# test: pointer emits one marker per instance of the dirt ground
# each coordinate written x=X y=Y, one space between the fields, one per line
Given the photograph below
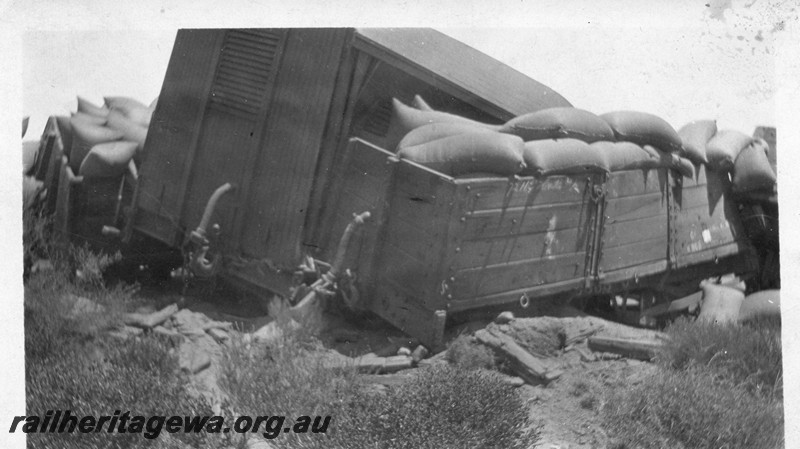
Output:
x=567 y=409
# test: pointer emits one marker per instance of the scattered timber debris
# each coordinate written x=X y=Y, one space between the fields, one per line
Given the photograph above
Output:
x=643 y=349
x=149 y=321
x=532 y=369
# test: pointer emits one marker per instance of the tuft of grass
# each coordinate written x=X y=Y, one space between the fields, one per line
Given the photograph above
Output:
x=70 y=369
x=717 y=386
x=464 y=352
x=579 y=388
x=749 y=355
x=692 y=409
x=70 y=364
x=442 y=407
x=588 y=402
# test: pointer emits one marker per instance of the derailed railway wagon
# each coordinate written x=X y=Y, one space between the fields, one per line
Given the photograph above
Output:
x=267 y=142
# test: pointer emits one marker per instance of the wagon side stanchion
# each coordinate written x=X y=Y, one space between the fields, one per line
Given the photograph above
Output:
x=337 y=274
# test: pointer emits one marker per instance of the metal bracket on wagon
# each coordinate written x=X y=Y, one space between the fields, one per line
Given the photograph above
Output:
x=198 y=243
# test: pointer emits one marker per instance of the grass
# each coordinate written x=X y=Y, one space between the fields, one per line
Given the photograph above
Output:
x=718 y=386
x=692 y=409
x=442 y=407
x=71 y=364
x=747 y=355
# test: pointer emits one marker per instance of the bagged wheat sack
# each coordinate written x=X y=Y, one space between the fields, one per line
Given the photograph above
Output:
x=434 y=131
x=673 y=161
x=627 y=156
x=695 y=137
x=720 y=304
x=130 y=130
x=405 y=118
x=420 y=104
x=723 y=148
x=643 y=129
x=87 y=107
x=559 y=123
x=562 y=157
x=133 y=109
x=766 y=303
x=86 y=136
x=683 y=166
x=752 y=170
x=108 y=160
x=88 y=118
x=487 y=152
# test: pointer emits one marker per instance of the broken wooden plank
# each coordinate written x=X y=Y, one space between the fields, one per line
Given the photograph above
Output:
x=150 y=320
x=439 y=358
x=376 y=365
x=637 y=349
x=528 y=367
x=419 y=354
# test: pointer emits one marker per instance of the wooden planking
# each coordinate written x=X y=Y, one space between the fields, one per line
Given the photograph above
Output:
x=333 y=153
x=628 y=274
x=415 y=277
x=221 y=156
x=711 y=196
x=283 y=174
x=632 y=254
x=173 y=131
x=422 y=197
x=636 y=182
x=491 y=193
x=618 y=233
x=415 y=233
x=507 y=249
x=362 y=191
x=525 y=220
x=636 y=207
x=513 y=296
x=421 y=182
x=362 y=184
x=416 y=241
x=529 y=273
x=694 y=236
x=400 y=309
x=742 y=259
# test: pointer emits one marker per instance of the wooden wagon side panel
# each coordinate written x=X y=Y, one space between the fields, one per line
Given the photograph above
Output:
x=365 y=184
x=283 y=173
x=521 y=237
x=705 y=224
x=173 y=134
x=634 y=232
x=410 y=269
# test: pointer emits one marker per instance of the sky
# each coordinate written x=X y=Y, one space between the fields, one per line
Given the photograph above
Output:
x=703 y=64
x=736 y=61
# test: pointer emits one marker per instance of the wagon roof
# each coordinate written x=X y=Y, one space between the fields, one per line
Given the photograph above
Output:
x=459 y=70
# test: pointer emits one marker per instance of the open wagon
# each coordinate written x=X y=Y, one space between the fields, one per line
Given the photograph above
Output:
x=266 y=142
